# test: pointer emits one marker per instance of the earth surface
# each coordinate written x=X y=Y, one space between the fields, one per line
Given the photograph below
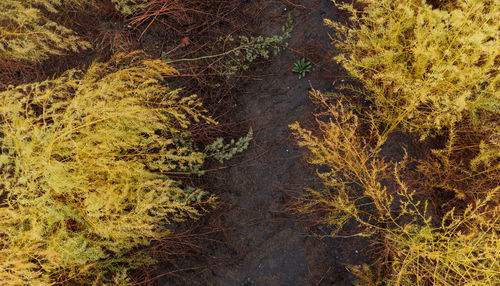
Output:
x=264 y=242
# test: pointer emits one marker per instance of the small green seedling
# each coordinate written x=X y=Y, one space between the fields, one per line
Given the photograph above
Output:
x=302 y=67
x=163 y=57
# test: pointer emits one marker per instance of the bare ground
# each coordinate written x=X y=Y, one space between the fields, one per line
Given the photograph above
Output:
x=266 y=243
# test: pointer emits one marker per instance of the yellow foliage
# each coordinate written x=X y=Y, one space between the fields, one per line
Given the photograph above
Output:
x=425 y=68
x=349 y=158
x=83 y=160
x=464 y=249
x=468 y=166
x=127 y=7
x=28 y=34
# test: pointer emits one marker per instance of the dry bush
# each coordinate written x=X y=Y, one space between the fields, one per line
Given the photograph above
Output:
x=425 y=68
x=459 y=248
x=28 y=30
x=461 y=172
x=26 y=33
x=433 y=68
x=349 y=158
x=84 y=158
x=128 y=7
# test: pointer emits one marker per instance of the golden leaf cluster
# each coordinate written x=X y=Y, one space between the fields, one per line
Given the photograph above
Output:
x=425 y=70
x=26 y=33
x=460 y=248
x=83 y=159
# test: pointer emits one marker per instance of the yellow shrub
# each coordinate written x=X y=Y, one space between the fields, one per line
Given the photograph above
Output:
x=467 y=167
x=127 y=7
x=27 y=34
x=425 y=68
x=82 y=159
x=459 y=252
x=349 y=158
x=460 y=248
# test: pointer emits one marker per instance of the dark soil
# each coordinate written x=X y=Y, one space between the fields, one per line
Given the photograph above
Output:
x=267 y=244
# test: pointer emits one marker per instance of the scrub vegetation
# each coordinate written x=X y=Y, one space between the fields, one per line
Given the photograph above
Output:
x=87 y=156
x=430 y=71
x=83 y=163
x=27 y=33
x=103 y=153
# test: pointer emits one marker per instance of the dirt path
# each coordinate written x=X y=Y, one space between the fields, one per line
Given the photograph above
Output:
x=272 y=247
x=268 y=245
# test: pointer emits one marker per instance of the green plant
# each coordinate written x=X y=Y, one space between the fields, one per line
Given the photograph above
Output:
x=239 y=53
x=302 y=67
x=221 y=152
x=84 y=160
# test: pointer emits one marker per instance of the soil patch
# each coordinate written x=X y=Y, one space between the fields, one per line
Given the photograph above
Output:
x=265 y=244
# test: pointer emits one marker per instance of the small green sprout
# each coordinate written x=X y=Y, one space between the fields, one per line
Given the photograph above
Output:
x=302 y=67
x=163 y=57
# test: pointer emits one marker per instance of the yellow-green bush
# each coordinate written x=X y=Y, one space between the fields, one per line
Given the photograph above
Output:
x=83 y=181
x=460 y=248
x=466 y=168
x=26 y=33
x=127 y=7
x=426 y=68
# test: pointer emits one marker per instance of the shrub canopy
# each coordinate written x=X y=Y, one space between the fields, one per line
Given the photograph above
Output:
x=83 y=160
x=425 y=67
x=26 y=33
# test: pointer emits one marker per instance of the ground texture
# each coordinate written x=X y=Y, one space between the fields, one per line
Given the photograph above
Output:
x=265 y=244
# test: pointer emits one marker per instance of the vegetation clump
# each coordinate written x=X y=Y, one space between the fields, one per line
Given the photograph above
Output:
x=422 y=248
x=84 y=158
x=221 y=152
x=302 y=67
x=26 y=33
x=128 y=7
x=250 y=48
x=240 y=52
x=425 y=70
